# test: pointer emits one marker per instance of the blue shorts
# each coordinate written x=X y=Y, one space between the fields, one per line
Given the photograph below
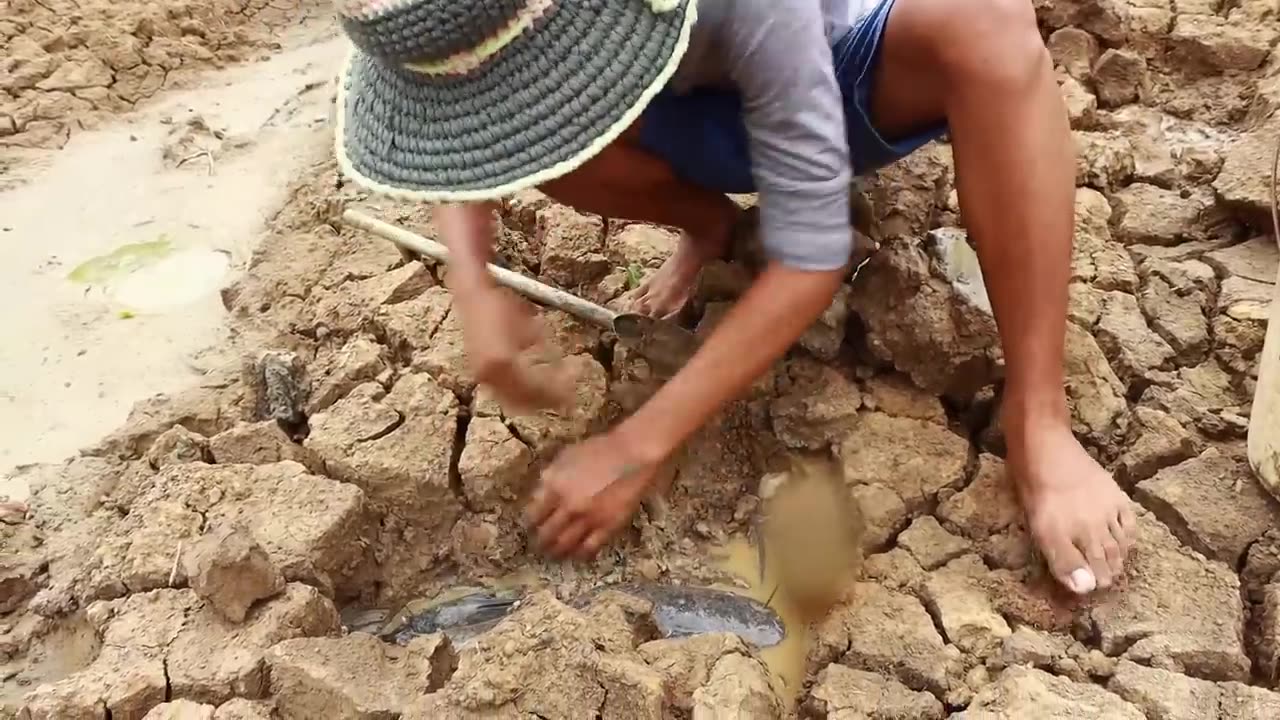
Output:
x=702 y=135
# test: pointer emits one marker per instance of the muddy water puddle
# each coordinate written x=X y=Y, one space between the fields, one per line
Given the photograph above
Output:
x=754 y=610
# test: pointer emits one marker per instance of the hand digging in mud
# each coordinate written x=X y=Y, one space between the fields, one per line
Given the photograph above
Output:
x=499 y=329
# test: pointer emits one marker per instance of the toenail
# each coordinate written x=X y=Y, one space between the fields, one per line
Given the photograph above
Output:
x=1082 y=581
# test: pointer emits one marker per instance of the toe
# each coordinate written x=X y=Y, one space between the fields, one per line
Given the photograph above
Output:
x=1066 y=562
x=1097 y=554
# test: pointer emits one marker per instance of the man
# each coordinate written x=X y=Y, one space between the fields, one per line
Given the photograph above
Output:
x=653 y=110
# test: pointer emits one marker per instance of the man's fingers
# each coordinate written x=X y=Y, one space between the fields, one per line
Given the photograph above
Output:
x=570 y=538
x=589 y=547
x=540 y=507
x=549 y=530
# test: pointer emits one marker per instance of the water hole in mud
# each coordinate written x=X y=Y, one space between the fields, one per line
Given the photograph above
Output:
x=755 y=609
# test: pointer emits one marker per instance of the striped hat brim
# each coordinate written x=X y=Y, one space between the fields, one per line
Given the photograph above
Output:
x=547 y=102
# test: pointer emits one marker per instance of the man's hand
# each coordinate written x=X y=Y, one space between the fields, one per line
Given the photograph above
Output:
x=587 y=494
x=593 y=488
x=499 y=331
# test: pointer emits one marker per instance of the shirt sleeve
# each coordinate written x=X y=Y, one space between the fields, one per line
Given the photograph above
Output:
x=778 y=56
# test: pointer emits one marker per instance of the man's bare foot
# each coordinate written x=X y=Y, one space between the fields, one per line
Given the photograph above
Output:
x=667 y=291
x=1081 y=521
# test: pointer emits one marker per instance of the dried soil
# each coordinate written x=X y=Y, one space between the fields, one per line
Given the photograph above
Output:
x=349 y=456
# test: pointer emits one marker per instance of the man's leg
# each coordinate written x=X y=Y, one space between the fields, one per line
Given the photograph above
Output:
x=626 y=182
x=984 y=68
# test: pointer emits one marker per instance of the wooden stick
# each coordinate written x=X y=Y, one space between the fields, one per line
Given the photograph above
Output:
x=530 y=288
x=1264 y=417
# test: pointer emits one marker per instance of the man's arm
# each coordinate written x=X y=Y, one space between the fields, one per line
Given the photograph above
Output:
x=467 y=230
x=497 y=327
x=779 y=57
x=778 y=308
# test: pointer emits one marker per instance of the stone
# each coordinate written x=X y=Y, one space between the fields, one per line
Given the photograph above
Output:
x=884 y=632
x=1095 y=258
x=260 y=443
x=231 y=571
x=551 y=661
x=685 y=663
x=1155 y=441
x=1245 y=300
x=1082 y=105
x=351 y=308
x=1094 y=392
x=826 y=336
x=913 y=458
x=1244 y=181
x=1144 y=214
x=1026 y=692
x=1191 y=497
x=1126 y=339
x=960 y=604
x=356 y=677
x=409 y=327
x=1178 y=611
x=1120 y=77
x=359 y=361
x=644 y=245
x=896 y=569
x=1104 y=159
x=841 y=693
x=1166 y=695
x=930 y=544
x=241 y=709
x=181 y=710
x=1268 y=642
x=816 y=405
x=895 y=394
x=1075 y=51
x=929 y=324
x=883 y=512
x=494 y=464
x=169 y=645
x=445 y=358
x=176 y=446
x=1262 y=564
x=738 y=688
x=1215 y=43
x=399 y=450
x=1255 y=260
x=1178 y=319
x=988 y=505
x=546 y=432
x=1034 y=648
x=632 y=690
x=572 y=247
x=77 y=75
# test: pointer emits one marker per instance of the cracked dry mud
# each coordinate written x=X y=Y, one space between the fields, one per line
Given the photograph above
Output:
x=194 y=563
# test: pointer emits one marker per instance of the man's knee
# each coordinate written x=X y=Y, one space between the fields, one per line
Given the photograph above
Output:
x=990 y=41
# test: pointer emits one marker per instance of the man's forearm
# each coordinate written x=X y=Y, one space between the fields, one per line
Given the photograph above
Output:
x=467 y=230
x=756 y=332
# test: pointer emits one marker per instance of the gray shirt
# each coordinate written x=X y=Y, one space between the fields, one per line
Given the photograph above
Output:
x=777 y=53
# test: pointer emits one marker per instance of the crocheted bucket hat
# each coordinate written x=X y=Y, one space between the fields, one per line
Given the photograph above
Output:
x=475 y=99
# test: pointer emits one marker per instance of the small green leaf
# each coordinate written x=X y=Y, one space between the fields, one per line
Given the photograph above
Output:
x=127 y=314
x=635 y=275
x=120 y=261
